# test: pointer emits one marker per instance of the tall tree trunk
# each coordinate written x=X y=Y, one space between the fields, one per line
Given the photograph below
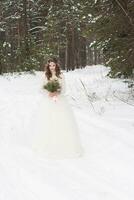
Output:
x=25 y=19
x=70 y=53
x=62 y=55
x=95 y=55
x=82 y=54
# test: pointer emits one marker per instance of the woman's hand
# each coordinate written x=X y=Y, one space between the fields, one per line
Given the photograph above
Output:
x=51 y=94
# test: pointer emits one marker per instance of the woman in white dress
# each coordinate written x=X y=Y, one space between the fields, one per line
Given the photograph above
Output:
x=55 y=130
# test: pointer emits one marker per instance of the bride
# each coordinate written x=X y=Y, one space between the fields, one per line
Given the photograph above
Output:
x=55 y=131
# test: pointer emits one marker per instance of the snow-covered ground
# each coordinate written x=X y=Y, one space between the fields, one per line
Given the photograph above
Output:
x=106 y=125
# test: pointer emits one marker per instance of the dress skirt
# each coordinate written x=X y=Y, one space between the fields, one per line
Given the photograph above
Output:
x=55 y=133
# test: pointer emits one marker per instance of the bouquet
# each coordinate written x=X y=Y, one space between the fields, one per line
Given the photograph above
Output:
x=53 y=86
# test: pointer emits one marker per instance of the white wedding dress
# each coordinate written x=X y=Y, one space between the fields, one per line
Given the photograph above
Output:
x=55 y=133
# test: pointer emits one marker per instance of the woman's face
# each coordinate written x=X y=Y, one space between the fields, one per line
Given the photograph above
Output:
x=52 y=66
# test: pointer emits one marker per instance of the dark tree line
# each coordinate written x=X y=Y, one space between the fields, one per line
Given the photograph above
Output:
x=79 y=33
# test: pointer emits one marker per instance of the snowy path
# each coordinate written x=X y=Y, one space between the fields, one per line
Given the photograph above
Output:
x=105 y=171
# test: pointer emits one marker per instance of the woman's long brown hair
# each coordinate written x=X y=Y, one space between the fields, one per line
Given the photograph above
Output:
x=47 y=70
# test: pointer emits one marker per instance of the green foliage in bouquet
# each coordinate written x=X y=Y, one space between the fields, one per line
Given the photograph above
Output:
x=53 y=86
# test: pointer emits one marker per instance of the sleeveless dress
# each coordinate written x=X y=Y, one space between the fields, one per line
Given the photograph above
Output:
x=55 y=133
